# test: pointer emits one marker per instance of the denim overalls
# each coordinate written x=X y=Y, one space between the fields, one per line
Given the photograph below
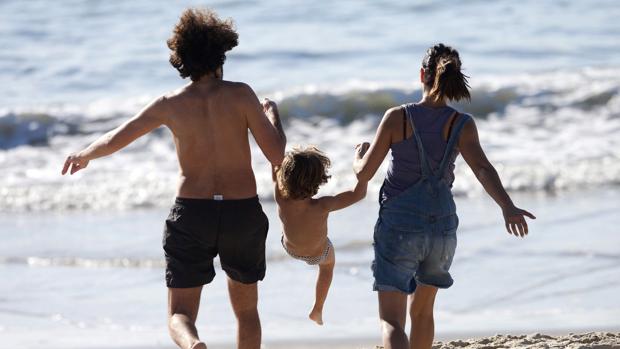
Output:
x=415 y=235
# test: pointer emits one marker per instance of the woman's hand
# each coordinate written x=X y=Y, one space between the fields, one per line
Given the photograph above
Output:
x=514 y=219
x=75 y=162
x=358 y=158
x=361 y=149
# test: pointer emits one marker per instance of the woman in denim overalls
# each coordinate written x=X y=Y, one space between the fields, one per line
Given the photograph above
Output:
x=415 y=235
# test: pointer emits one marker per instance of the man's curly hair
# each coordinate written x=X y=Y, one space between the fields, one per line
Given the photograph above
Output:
x=199 y=42
x=302 y=172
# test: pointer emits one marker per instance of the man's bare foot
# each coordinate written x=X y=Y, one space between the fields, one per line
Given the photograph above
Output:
x=199 y=345
x=316 y=316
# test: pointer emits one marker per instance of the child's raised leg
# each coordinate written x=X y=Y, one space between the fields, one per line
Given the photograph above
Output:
x=324 y=280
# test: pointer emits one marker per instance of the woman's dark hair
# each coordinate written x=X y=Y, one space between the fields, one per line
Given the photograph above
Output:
x=442 y=74
x=302 y=172
x=199 y=42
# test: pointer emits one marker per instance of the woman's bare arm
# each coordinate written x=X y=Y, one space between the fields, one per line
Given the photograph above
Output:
x=469 y=146
x=366 y=167
x=148 y=119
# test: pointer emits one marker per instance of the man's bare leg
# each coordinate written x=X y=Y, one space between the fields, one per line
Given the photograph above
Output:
x=323 y=281
x=422 y=321
x=393 y=313
x=244 y=301
x=183 y=306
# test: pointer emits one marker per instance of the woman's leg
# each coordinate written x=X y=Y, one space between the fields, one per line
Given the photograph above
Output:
x=422 y=321
x=393 y=312
x=324 y=280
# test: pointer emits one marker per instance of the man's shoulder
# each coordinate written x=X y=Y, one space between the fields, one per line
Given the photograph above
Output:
x=224 y=85
x=237 y=87
x=172 y=96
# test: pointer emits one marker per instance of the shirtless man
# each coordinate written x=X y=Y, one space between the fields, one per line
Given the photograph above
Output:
x=216 y=210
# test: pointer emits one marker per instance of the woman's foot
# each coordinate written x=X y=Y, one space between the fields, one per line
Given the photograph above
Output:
x=316 y=316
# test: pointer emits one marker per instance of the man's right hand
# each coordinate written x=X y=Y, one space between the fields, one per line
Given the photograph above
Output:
x=75 y=162
x=270 y=108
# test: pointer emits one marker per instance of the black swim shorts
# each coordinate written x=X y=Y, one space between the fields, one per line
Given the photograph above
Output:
x=197 y=230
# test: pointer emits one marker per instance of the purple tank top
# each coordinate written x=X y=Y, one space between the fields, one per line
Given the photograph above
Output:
x=404 y=169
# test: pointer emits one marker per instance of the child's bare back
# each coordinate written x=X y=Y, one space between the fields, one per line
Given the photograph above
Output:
x=304 y=225
x=304 y=218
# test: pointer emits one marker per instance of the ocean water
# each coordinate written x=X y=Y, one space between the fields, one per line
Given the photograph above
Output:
x=96 y=280
x=81 y=258
x=545 y=78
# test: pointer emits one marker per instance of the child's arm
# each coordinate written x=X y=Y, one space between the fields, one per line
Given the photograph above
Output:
x=276 y=189
x=344 y=199
x=349 y=197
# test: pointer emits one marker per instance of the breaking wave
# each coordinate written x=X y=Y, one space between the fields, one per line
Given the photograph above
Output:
x=544 y=132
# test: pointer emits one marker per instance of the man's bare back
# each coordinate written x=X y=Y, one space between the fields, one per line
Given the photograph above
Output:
x=210 y=123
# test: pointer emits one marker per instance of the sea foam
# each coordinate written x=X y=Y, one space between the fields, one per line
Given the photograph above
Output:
x=544 y=132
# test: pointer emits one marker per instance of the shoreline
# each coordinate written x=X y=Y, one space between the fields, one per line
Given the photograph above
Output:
x=543 y=293
x=599 y=339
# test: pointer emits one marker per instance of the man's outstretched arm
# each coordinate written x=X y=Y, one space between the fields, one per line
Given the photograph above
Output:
x=149 y=118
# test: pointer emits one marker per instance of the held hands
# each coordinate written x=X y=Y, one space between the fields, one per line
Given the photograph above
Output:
x=361 y=149
x=270 y=108
x=514 y=219
x=75 y=162
x=358 y=160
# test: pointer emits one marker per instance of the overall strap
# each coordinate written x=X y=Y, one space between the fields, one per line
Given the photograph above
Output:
x=424 y=165
x=454 y=137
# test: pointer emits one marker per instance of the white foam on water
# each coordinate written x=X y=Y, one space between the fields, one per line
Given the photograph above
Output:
x=543 y=132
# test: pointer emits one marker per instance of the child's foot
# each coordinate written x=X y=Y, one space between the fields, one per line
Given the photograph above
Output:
x=316 y=316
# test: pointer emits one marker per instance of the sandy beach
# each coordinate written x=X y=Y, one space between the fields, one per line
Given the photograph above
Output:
x=546 y=340
x=594 y=340
x=599 y=340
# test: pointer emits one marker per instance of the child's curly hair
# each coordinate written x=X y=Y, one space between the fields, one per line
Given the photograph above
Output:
x=200 y=41
x=302 y=172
